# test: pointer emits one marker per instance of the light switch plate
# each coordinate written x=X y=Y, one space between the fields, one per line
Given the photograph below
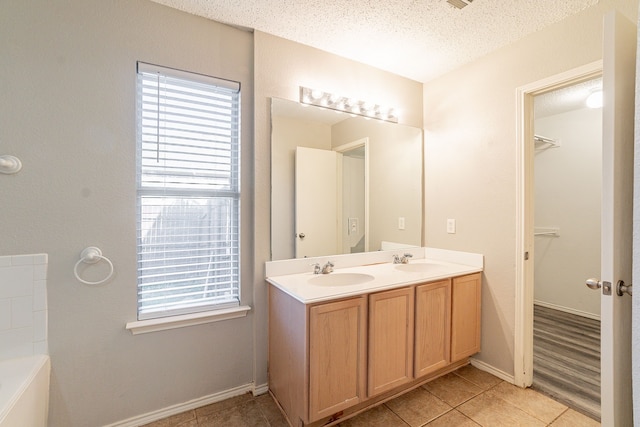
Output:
x=401 y=223
x=451 y=226
x=353 y=225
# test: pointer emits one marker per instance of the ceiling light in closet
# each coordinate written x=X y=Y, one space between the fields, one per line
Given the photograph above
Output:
x=595 y=99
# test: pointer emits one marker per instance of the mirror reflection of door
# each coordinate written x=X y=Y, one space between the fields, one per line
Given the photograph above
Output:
x=316 y=202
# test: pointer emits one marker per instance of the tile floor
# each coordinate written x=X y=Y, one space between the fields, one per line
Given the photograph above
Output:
x=467 y=397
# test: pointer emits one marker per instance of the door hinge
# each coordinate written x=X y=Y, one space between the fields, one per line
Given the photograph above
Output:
x=526 y=256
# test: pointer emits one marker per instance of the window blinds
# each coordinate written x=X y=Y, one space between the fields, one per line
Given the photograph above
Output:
x=188 y=158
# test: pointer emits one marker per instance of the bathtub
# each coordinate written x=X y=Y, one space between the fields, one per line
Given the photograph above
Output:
x=24 y=391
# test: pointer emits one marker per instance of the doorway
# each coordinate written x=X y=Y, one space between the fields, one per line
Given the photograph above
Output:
x=567 y=162
x=355 y=196
x=525 y=221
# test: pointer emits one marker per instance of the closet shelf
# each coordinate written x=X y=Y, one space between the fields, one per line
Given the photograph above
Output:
x=546 y=231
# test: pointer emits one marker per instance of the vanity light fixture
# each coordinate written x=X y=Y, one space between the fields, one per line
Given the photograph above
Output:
x=346 y=105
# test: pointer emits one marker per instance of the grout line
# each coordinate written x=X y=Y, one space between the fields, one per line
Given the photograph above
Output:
x=561 y=414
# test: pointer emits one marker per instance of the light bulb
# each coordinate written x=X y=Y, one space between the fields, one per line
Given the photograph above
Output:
x=316 y=94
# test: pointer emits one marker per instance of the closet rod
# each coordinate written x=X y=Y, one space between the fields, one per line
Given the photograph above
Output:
x=546 y=231
x=545 y=140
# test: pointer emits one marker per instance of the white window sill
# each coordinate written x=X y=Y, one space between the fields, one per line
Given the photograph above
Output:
x=183 y=320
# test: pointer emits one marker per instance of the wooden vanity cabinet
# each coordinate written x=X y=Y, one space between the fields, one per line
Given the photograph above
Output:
x=331 y=359
x=337 y=359
x=465 y=316
x=317 y=355
x=390 y=339
x=432 y=327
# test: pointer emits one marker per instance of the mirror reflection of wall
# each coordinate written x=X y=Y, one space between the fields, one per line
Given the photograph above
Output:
x=386 y=207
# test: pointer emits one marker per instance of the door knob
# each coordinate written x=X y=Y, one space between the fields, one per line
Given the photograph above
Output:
x=301 y=235
x=621 y=288
x=597 y=284
x=593 y=284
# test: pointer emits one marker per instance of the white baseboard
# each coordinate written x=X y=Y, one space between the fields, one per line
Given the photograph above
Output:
x=191 y=404
x=260 y=389
x=567 y=310
x=493 y=371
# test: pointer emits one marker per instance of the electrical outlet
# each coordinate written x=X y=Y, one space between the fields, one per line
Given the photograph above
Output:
x=451 y=226
x=401 y=223
x=353 y=225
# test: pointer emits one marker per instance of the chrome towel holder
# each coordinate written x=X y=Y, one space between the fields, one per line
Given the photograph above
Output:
x=10 y=164
x=92 y=255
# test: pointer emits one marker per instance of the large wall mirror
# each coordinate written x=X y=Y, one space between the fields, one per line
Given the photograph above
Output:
x=342 y=184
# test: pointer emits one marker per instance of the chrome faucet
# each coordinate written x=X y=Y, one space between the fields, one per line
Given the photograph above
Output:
x=316 y=268
x=325 y=269
x=402 y=260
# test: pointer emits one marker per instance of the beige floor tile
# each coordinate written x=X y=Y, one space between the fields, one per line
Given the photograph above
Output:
x=482 y=379
x=225 y=404
x=453 y=389
x=531 y=402
x=489 y=411
x=572 y=418
x=452 y=418
x=418 y=407
x=247 y=414
x=271 y=411
x=184 y=419
x=380 y=416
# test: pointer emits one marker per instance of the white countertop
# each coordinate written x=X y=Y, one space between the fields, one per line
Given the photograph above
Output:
x=381 y=276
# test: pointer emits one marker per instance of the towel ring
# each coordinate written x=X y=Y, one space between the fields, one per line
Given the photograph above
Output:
x=91 y=255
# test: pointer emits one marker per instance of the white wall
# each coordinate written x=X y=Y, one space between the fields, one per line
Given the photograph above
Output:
x=68 y=73
x=470 y=171
x=568 y=196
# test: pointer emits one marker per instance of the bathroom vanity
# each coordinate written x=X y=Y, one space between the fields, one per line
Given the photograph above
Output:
x=342 y=342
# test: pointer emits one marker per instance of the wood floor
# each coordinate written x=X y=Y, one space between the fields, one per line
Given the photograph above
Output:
x=566 y=359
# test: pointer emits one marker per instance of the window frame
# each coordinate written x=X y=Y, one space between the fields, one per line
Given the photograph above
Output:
x=193 y=313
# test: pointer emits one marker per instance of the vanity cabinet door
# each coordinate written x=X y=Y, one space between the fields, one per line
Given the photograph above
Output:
x=432 y=327
x=390 y=339
x=337 y=360
x=465 y=312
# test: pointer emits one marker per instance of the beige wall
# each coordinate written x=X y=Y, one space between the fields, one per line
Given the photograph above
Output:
x=68 y=73
x=470 y=170
x=395 y=178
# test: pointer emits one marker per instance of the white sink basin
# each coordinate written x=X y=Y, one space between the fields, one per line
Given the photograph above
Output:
x=423 y=267
x=340 y=279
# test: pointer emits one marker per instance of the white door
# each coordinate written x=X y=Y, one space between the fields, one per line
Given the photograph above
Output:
x=316 y=203
x=617 y=210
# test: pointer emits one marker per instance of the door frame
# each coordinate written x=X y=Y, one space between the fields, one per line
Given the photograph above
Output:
x=523 y=330
x=362 y=142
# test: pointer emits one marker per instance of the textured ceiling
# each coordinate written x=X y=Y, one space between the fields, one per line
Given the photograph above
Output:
x=416 y=39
